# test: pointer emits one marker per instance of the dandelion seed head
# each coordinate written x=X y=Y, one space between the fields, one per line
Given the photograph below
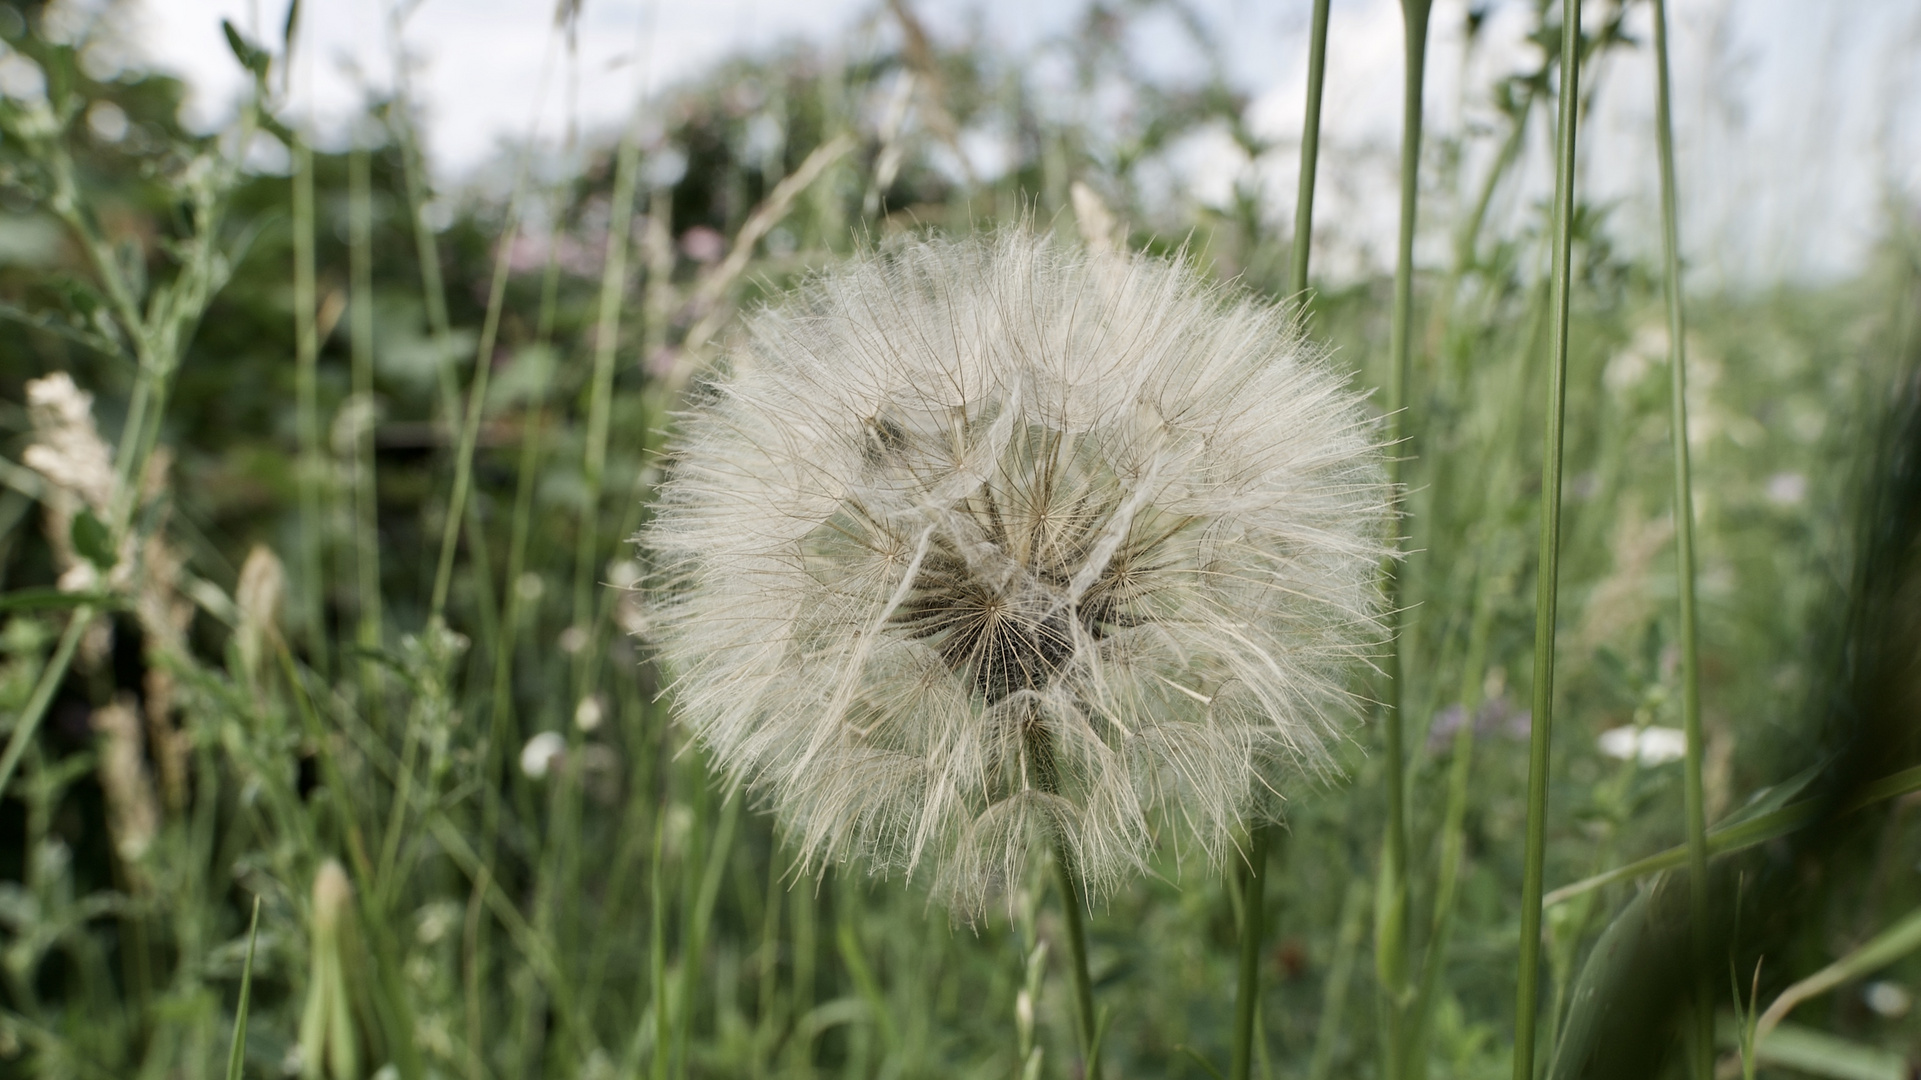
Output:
x=981 y=544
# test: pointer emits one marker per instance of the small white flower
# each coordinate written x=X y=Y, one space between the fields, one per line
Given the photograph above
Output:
x=981 y=543
x=540 y=753
x=1787 y=489
x=588 y=714
x=1653 y=745
x=1890 y=1000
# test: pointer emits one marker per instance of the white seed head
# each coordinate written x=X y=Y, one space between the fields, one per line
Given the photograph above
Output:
x=982 y=544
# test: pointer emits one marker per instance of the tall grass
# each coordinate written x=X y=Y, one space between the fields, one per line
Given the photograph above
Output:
x=436 y=758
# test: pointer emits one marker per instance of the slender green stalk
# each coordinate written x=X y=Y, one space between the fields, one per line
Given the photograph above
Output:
x=237 y=1051
x=1070 y=889
x=1310 y=149
x=360 y=304
x=1339 y=974
x=307 y=409
x=613 y=287
x=43 y=691
x=1247 y=998
x=1696 y=804
x=1390 y=912
x=1527 y=992
x=483 y=353
x=657 y=946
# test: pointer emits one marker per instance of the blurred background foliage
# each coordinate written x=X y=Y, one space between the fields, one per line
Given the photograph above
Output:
x=479 y=845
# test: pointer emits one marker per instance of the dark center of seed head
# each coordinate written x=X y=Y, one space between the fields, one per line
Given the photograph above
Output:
x=1003 y=637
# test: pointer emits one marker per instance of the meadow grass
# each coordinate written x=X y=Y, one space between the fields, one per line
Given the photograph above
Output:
x=414 y=803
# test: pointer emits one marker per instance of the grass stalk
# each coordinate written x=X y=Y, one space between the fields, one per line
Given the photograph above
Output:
x=1340 y=974
x=1390 y=913
x=657 y=947
x=360 y=307
x=237 y=1051
x=307 y=410
x=1310 y=151
x=1254 y=885
x=613 y=287
x=1527 y=991
x=470 y=416
x=1695 y=799
x=36 y=708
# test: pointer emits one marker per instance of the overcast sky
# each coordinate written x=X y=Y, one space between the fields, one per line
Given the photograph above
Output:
x=1792 y=138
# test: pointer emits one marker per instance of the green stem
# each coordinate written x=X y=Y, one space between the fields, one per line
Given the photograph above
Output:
x=1310 y=148
x=483 y=354
x=613 y=287
x=1390 y=914
x=1070 y=889
x=1254 y=886
x=307 y=407
x=1340 y=973
x=366 y=507
x=1696 y=804
x=36 y=708
x=1527 y=991
x=1253 y=928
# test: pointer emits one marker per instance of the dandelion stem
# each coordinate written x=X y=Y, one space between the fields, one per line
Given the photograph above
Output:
x=1528 y=984
x=1254 y=886
x=1070 y=888
x=1390 y=913
x=1696 y=807
x=1253 y=929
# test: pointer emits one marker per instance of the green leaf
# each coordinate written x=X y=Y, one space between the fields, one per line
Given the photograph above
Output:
x=1817 y=1053
x=92 y=540
x=50 y=599
x=237 y=1055
x=251 y=56
x=1201 y=1060
x=291 y=29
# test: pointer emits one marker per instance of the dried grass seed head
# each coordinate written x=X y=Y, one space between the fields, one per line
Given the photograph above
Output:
x=981 y=543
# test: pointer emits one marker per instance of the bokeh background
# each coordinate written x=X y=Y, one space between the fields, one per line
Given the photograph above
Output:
x=456 y=260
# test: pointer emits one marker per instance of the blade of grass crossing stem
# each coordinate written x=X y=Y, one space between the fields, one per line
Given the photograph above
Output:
x=237 y=1053
x=1697 y=827
x=1390 y=901
x=1883 y=949
x=483 y=353
x=1527 y=991
x=1742 y=834
x=1254 y=884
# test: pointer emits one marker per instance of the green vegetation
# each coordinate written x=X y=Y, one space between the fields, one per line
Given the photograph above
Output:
x=319 y=607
